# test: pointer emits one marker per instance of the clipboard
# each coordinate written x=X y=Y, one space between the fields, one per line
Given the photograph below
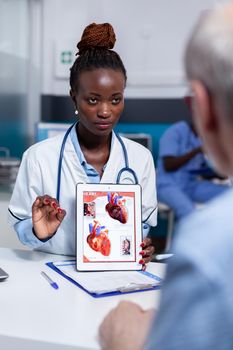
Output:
x=128 y=289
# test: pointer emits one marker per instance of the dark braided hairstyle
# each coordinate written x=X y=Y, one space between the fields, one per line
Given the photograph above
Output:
x=95 y=52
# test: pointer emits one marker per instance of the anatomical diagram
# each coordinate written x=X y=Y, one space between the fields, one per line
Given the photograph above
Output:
x=116 y=207
x=98 y=238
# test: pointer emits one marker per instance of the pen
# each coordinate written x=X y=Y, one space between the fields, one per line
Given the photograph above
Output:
x=163 y=256
x=51 y=282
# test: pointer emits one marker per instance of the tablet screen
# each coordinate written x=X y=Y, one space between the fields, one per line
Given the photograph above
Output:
x=108 y=226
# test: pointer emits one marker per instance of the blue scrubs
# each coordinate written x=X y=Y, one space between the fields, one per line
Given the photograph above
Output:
x=181 y=189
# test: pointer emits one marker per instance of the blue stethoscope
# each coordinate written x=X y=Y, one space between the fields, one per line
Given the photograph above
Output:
x=126 y=167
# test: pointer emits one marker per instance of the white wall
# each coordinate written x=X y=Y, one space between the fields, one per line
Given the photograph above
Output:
x=19 y=60
x=150 y=39
x=13 y=46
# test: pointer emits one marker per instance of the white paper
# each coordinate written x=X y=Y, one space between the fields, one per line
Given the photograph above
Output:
x=108 y=281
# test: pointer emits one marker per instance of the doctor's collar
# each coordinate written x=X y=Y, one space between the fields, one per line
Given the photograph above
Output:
x=78 y=150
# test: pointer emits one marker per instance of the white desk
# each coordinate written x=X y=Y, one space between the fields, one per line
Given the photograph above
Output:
x=35 y=316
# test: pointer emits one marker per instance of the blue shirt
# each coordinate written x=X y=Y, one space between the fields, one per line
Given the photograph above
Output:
x=196 y=310
x=91 y=172
x=178 y=140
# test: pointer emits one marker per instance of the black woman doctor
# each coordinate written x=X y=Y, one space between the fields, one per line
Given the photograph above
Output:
x=91 y=152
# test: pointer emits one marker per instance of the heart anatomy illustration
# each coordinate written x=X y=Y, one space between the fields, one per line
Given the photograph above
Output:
x=98 y=238
x=116 y=208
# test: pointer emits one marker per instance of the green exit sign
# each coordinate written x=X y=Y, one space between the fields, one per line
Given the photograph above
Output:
x=66 y=57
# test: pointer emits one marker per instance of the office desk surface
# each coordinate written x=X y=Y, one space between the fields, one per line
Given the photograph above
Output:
x=35 y=316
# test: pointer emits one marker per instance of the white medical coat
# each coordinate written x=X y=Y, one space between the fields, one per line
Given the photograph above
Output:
x=38 y=176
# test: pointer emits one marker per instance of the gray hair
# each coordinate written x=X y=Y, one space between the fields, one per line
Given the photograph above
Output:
x=209 y=55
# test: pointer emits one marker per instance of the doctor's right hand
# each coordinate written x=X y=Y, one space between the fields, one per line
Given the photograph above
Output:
x=46 y=216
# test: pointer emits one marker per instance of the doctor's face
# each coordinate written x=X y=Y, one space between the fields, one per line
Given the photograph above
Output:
x=99 y=100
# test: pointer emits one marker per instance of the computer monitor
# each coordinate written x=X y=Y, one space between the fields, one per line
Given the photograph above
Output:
x=142 y=138
x=46 y=130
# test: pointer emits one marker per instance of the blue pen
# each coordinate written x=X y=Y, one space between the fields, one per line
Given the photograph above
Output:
x=51 y=282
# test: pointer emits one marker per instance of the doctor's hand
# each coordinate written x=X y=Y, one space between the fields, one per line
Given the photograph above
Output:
x=125 y=327
x=46 y=216
x=147 y=252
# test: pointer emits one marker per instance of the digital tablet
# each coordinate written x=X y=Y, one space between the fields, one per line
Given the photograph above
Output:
x=108 y=227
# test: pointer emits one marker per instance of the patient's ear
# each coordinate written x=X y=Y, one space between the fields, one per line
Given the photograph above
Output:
x=203 y=107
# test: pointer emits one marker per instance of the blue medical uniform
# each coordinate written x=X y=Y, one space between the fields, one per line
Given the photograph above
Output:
x=181 y=189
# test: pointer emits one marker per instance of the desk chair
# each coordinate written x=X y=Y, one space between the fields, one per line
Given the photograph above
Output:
x=165 y=210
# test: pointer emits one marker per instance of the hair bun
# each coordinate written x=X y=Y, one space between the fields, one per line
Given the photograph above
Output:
x=97 y=36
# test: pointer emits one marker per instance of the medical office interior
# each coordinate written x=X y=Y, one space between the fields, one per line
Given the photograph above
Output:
x=37 y=47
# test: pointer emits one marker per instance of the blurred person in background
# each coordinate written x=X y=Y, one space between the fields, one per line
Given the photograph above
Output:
x=184 y=177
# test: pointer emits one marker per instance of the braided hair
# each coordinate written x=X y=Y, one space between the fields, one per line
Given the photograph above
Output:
x=95 y=52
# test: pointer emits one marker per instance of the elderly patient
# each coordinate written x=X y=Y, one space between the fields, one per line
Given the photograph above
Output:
x=196 y=310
